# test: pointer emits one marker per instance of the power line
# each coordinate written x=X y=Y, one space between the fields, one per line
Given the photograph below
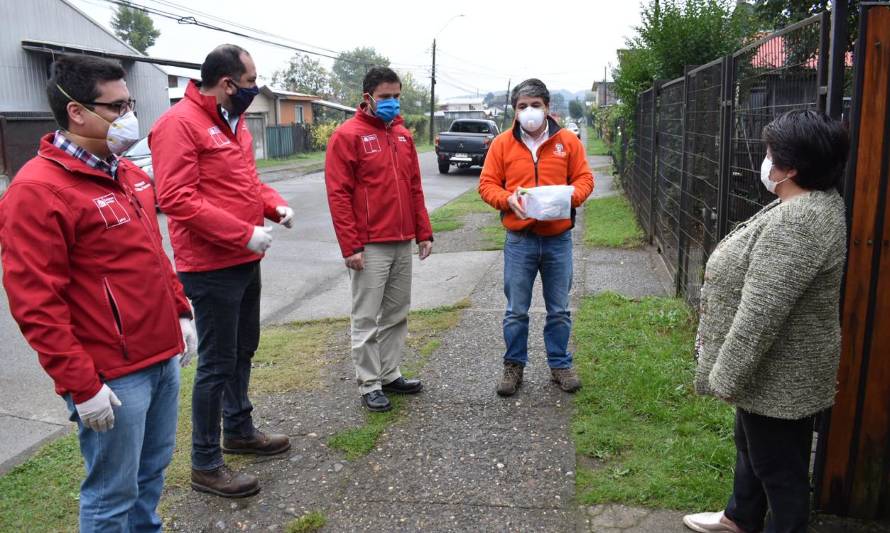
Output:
x=178 y=17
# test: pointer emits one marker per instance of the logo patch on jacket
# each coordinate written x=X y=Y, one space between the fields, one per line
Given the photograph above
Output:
x=141 y=186
x=371 y=144
x=402 y=139
x=111 y=212
x=219 y=138
x=559 y=150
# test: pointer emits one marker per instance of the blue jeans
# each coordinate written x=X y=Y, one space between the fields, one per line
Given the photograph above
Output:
x=125 y=465
x=525 y=254
x=227 y=317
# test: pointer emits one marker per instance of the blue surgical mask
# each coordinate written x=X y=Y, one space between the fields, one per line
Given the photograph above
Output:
x=241 y=100
x=387 y=109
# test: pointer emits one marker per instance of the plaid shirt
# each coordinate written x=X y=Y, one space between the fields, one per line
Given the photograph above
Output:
x=108 y=166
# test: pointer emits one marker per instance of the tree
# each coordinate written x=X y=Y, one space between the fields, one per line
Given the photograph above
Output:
x=780 y=13
x=557 y=102
x=349 y=71
x=136 y=27
x=304 y=75
x=674 y=34
x=576 y=109
x=415 y=98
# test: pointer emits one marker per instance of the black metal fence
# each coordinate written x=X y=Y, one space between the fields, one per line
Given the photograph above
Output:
x=696 y=146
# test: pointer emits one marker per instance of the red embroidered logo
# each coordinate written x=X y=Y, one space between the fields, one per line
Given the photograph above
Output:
x=371 y=144
x=112 y=213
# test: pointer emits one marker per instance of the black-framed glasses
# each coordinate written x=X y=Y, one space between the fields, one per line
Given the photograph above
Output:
x=121 y=108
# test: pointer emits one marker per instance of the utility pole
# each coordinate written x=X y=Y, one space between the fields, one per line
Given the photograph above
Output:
x=506 y=100
x=433 y=94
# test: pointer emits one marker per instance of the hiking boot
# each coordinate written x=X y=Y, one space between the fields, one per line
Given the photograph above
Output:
x=376 y=401
x=225 y=482
x=566 y=378
x=258 y=444
x=511 y=380
x=711 y=523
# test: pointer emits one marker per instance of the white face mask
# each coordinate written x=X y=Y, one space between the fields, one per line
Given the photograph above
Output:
x=531 y=118
x=765 y=168
x=123 y=133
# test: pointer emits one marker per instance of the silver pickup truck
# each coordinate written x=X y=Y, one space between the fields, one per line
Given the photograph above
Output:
x=465 y=144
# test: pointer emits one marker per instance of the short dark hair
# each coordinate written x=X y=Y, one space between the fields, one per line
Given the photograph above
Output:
x=378 y=75
x=531 y=87
x=812 y=143
x=79 y=76
x=224 y=60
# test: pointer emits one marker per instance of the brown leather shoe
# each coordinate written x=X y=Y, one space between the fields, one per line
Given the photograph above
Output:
x=566 y=378
x=259 y=444
x=224 y=482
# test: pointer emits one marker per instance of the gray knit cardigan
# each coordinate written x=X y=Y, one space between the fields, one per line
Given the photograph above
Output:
x=769 y=336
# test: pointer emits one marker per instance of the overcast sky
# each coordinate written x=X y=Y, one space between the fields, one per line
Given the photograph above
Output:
x=566 y=44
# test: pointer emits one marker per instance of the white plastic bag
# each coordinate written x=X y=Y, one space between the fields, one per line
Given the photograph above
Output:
x=550 y=202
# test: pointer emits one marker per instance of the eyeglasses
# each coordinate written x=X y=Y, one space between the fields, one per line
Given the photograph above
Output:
x=121 y=108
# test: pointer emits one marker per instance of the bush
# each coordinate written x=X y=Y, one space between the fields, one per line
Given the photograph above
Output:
x=418 y=124
x=321 y=134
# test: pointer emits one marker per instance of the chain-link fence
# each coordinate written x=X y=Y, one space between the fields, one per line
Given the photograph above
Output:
x=697 y=142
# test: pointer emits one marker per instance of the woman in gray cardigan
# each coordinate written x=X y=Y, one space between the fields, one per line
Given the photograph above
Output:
x=769 y=337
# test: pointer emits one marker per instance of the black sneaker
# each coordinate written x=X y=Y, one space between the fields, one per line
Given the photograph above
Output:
x=403 y=386
x=376 y=401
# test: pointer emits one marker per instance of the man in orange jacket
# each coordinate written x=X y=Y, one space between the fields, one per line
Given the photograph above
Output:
x=535 y=152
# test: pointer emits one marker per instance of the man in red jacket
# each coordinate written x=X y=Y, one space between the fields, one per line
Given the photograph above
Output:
x=376 y=200
x=95 y=295
x=209 y=189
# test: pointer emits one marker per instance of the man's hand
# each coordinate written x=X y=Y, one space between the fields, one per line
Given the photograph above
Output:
x=515 y=202
x=287 y=216
x=356 y=261
x=261 y=240
x=424 y=249
x=190 y=337
x=97 y=413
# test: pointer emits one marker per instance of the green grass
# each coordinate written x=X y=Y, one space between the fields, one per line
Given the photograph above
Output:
x=610 y=222
x=450 y=217
x=43 y=493
x=595 y=145
x=289 y=357
x=424 y=147
x=307 y=523
x=307 y=157
x=424 y=329
x=642 y=435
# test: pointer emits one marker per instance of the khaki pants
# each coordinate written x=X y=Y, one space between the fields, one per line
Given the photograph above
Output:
x=381 y=298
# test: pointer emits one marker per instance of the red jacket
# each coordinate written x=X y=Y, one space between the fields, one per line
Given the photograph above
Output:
x=87 y=277
x=208 y=184
x=373 y=182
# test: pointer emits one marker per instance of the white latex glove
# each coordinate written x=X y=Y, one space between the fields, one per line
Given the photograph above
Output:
x=261 y=240
x=287 y=216
x=190 y=336
x=96 y=413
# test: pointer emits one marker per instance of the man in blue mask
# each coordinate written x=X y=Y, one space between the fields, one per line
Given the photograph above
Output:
x=377 y=206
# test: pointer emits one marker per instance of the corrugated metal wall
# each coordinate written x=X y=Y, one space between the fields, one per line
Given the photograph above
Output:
x=23 y=74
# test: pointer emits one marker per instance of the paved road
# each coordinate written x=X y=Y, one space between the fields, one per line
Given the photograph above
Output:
x=304 y=262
